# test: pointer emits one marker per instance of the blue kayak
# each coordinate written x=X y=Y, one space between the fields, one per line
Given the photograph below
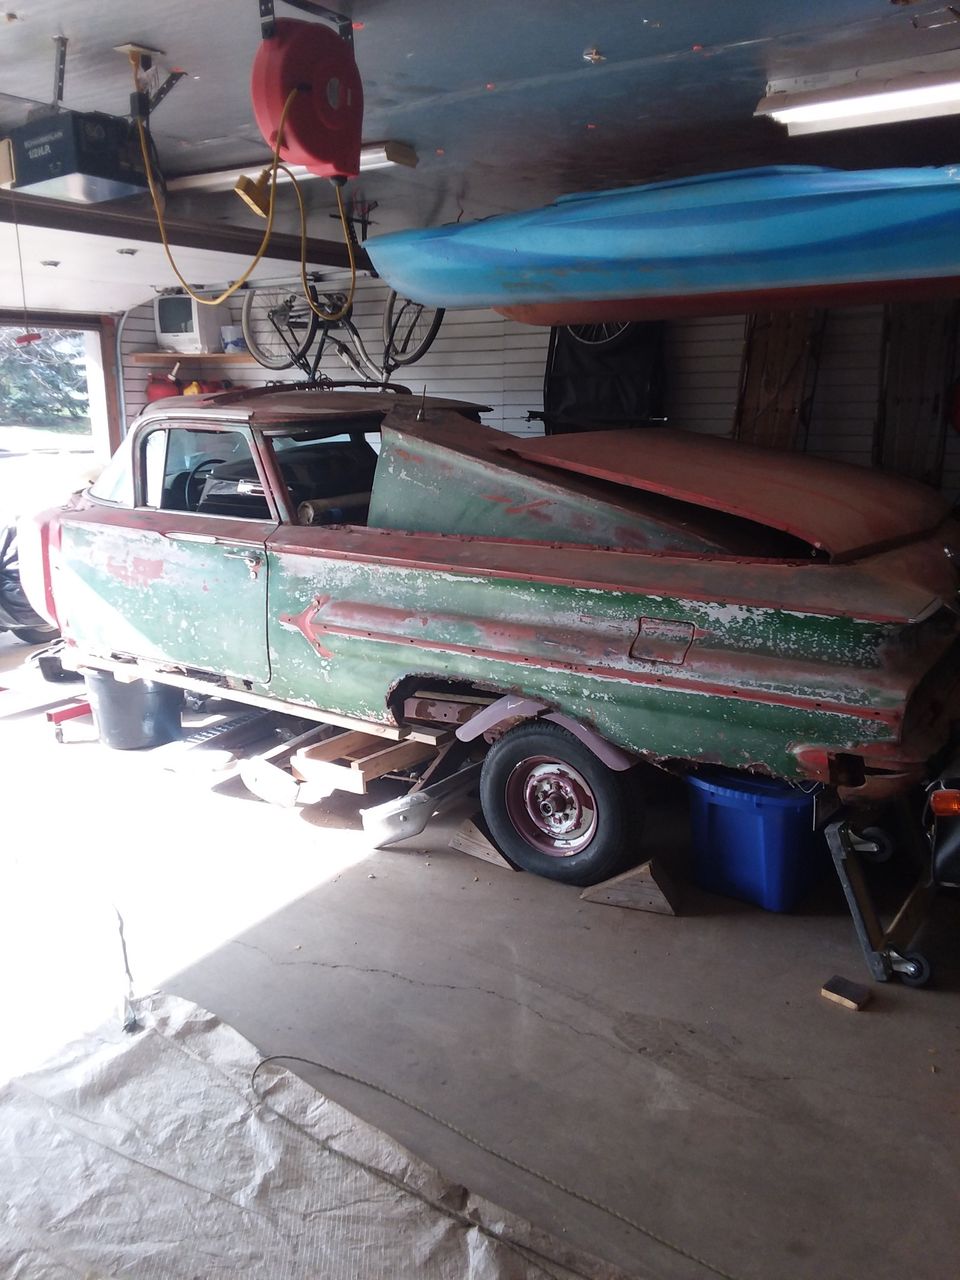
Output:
x=746 y=240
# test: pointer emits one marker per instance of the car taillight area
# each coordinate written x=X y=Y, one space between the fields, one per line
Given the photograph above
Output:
x=38 y=540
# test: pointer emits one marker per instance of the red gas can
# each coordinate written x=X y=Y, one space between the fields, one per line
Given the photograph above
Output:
x=161 y=385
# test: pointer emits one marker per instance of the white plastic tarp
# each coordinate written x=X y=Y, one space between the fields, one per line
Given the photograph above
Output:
x=149 y=1155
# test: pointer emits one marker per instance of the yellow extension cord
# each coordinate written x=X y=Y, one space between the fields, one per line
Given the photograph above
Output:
x=325 y=316
x=268 y=230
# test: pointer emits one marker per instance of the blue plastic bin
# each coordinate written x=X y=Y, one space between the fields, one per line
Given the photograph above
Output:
x=753 y=839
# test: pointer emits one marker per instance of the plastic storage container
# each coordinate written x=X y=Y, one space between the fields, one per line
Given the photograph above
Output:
x=753 y=839
x=135 y=715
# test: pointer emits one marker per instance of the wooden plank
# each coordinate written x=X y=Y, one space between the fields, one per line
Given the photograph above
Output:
x=643 y=888
x=434 y=735
x=327 y=776
x=779 y=369
x=333 y=748
x=468 y=838
x=190 y=357
x=265 y=775
x=399 y=755
x=850 y=995
x=351 y=760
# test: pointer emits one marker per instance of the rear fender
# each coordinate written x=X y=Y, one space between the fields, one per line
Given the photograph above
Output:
x=514 y=707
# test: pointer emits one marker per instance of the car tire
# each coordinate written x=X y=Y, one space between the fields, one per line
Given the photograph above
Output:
x=555 y=810
x=36 y=635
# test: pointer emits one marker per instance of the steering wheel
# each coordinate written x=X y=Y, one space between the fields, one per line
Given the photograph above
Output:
x=193 y=478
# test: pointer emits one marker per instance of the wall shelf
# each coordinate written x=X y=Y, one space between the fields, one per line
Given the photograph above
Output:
x=192 y=357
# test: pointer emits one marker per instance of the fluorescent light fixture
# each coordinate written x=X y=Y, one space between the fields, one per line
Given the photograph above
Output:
x=883 y=94
x=373 y=155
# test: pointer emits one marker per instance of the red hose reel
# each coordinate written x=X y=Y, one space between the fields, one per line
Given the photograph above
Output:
x=325 y=119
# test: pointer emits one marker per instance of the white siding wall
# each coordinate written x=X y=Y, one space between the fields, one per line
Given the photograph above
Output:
x=703 y=373
x=845 y=404
x=477 y=356
x=703 y=376
x=480 y=357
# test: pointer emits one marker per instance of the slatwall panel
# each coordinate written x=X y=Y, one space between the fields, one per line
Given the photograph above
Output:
x=951 y=465
x=138 y=335
x=848 y=385
x=703 y=373
x=480 y=357
x=477 y=356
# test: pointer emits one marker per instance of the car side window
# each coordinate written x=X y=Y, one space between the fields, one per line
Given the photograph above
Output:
x=329 y=478
x=205 y=472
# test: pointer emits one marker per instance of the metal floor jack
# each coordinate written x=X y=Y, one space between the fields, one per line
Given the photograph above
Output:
x=886 y=950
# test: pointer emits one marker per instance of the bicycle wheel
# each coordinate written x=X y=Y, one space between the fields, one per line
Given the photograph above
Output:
x=278 y=325
x=599 y=335
x=409 y=329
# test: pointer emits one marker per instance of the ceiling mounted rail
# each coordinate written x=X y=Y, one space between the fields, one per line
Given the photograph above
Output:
x=342 y=23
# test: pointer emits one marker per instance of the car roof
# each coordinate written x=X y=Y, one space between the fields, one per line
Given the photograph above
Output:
x=276 y=406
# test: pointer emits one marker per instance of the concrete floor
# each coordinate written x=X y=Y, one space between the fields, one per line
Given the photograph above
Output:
x=683 y=1072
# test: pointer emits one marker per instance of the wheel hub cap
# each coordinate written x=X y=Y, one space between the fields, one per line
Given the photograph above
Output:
x=552 y=806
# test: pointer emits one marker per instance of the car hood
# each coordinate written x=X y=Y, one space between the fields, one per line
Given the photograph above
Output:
x=845 y=510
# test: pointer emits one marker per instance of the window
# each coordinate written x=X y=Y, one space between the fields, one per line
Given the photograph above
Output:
x=115 y=482
x=206 y=472
x=329 y=478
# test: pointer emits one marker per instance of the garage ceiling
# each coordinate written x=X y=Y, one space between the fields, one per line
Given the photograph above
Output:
x=497 y=98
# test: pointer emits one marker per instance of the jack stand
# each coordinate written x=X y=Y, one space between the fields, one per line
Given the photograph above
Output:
x=886 y=951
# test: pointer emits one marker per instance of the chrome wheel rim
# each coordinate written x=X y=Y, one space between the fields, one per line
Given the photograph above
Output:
x=552 y=806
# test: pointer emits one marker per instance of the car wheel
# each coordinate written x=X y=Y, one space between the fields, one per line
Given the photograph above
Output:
x=36 y=635
x=557 y=811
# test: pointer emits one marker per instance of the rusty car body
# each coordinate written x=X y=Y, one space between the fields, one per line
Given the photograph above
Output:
x=603 y=598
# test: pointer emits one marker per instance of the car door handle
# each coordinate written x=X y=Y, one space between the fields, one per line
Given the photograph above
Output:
x=252 y=559
x=189 y=537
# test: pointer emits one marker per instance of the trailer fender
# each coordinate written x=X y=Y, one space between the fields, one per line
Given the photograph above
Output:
x=515 y=707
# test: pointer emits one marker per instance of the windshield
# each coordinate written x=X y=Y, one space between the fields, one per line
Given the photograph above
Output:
x=115 y=481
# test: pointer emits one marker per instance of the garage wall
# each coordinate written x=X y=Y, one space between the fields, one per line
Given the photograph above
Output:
x=703 y=373
x=703 y=379
x=477 y=356
x=483 y=358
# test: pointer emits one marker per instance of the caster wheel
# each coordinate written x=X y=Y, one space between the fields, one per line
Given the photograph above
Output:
x=872 y=844
x=918 y=974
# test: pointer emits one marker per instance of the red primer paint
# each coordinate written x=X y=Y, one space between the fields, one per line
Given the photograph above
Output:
x=137 y=573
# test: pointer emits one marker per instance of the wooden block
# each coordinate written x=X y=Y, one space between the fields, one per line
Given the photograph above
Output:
x=468 y=838
x=327 y=775
x=399 y=755
x=435 y=735
x=351 y=760
x=333 y=748
x=851 y=995
x=643 y=888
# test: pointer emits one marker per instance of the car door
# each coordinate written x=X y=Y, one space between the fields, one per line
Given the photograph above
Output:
x=180 y=576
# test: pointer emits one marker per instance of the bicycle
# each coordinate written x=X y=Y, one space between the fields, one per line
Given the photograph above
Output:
x=280 y=327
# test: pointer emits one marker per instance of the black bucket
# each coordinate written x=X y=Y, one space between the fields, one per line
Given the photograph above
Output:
x=131 y=716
